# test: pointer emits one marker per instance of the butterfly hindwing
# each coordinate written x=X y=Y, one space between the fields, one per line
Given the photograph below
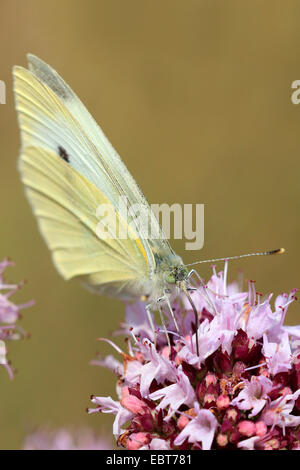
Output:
x=65 y=205
x=69 y=168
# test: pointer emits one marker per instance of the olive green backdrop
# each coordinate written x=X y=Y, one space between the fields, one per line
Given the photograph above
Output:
x=196 y=97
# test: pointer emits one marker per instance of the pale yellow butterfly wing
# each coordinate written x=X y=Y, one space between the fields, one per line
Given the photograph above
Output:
x=59 y=135
x=52 y=116
x=65 y=196
x=65 y=204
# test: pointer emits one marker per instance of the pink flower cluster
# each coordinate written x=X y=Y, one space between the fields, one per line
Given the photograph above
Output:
x=9 y=315
x=241 y=390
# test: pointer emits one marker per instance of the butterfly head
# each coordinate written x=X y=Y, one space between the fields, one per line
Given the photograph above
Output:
x=169 y=266
x=176 y=274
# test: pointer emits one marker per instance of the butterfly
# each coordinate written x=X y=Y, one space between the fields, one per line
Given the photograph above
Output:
x=69 y=169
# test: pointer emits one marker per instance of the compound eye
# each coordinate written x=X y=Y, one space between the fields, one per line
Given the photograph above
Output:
x=170 y=278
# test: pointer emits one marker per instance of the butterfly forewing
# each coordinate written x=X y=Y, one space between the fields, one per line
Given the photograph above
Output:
x=70 y=168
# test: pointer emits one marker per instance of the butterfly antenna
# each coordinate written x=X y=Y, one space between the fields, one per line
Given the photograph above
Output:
x=279 y=251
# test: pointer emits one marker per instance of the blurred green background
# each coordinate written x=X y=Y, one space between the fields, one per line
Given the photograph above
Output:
x=196 y=97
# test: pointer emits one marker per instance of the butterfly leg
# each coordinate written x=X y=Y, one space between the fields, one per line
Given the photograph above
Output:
x=194 y=272
x=205 y=290
x=167 y=300
x=187 y=290
x=149 y=315
x=163 y=322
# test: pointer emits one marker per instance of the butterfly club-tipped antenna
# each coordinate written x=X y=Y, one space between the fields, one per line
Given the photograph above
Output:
x=278 y=251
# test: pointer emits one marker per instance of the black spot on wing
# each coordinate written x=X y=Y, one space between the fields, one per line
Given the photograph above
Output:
x=63 y=154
